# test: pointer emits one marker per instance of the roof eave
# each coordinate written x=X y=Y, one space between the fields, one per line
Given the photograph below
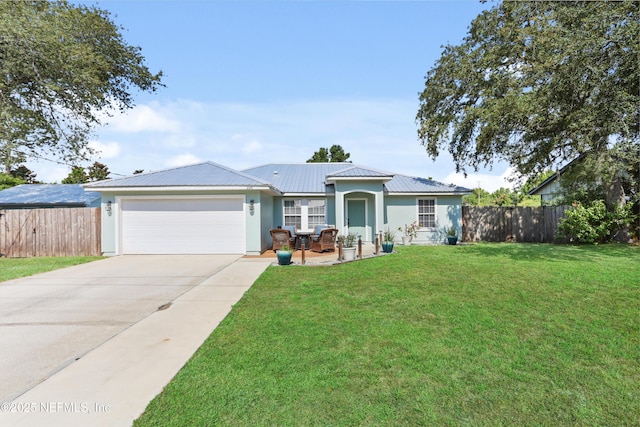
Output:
x=427 y=193
x=186 y=188
x=334 y=179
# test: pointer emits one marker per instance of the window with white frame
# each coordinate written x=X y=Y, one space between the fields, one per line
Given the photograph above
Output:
x=304 y=214
x=427 y=213
x=293 y=213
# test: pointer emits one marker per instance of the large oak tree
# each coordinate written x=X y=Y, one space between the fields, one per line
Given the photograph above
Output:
x=537 y=84
x=63 y=68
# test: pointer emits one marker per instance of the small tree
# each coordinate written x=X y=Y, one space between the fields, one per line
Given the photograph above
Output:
x=7 y=181
x=97 y=172
x=335 y=154
x=76 y=176
x=24 y=173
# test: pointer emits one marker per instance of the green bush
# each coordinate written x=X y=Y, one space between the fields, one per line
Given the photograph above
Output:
x=593 y=223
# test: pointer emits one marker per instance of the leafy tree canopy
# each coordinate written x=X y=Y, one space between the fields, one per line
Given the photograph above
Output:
x=537 y=84
x=335 y=154
x=78 y=175
x=63 y=67
x=7 y=181
x=98 y=172
x=25 y=174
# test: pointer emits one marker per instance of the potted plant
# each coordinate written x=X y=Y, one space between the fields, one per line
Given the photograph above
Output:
x=284 y=255
x=388 y=238
x=452 y=235
x=348 y=246
x=410 y=231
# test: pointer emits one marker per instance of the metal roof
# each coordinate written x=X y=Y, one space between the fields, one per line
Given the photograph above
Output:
x=198 y=175
x=49 y=195
x=305 y=178
x=409 y=184
x=312 y=177
x=288 y=178
x=360 y=172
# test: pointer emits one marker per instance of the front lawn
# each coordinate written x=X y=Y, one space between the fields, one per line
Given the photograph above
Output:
x=13 y=268
x=489 y=334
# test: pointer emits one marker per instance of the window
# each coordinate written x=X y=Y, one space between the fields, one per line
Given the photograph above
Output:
x=305 y=214
x=427 y=213
x=316 y=213
x=293 y=213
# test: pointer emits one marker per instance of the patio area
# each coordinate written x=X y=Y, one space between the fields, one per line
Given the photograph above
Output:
x=318 y=258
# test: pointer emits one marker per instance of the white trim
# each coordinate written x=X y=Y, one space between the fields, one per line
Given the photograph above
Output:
x=304 y=210
x=426 y=195
x=117 y=208
x=435 y=212
x=185 y=189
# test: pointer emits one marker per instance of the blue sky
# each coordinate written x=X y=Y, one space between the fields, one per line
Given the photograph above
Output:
x=255 y=82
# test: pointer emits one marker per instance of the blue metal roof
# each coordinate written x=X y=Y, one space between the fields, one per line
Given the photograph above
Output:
x=408 y=184
x=288 y=178
x=308 y=178
x=48 y=195
x=201 y=174
x=360 y=172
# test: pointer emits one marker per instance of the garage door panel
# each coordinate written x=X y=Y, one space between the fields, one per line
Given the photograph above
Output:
x=184 y=226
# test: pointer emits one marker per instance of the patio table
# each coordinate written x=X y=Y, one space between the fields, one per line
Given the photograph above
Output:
x=303 y=237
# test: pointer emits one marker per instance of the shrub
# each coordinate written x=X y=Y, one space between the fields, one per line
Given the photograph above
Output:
x=593 y=223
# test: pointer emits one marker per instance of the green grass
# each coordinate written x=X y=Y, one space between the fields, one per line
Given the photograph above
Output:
x=482 y=335
x=12 y=268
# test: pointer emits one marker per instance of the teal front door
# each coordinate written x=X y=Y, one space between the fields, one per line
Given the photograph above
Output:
x=357 y=218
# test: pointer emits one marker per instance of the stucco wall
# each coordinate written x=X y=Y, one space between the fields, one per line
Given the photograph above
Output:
x=401 y=210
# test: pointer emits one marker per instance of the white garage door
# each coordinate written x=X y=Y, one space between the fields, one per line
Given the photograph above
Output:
x=183 y=226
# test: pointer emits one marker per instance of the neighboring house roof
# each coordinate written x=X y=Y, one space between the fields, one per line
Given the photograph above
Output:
x=47 y=195
x=199 y=175
x=282 y=178
x=540 y=188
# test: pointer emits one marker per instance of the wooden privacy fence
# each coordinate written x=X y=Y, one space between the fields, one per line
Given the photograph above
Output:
x=50 y=232
x=511 y=224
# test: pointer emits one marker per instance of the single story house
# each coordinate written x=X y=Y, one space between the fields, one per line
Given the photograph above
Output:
x=207 y=208
x=36 y=196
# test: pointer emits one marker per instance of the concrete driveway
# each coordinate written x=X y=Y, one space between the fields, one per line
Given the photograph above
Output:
x=63 y=331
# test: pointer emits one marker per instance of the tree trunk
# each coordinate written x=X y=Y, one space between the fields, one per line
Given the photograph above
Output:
x=615 y=198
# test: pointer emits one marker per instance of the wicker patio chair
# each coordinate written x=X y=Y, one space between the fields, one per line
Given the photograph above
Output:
x=325 y=241
x=282 y=237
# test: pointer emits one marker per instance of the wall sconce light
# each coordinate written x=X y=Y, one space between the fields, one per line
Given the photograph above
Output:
x=108 y=208
x=251 y=207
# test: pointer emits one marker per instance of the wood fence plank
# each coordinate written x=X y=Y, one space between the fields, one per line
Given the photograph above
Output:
x=517 y=224
x=50 y=232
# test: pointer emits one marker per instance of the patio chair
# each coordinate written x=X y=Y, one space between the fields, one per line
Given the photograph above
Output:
x=318 y=228
x=282 y=237
x=291 y=228
x=325 y=241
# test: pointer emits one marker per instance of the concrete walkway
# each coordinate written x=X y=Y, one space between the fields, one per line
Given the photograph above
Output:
x=112 y=384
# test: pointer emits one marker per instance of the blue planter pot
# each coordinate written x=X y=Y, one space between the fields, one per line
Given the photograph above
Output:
x=452 y=239
x=387 y=247
x=284 y=257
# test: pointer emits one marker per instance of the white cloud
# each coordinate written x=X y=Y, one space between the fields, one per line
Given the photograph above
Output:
x=379 y=133
x=106 y=150
x=485 y=181
x=145 y=118
x=183 y=159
